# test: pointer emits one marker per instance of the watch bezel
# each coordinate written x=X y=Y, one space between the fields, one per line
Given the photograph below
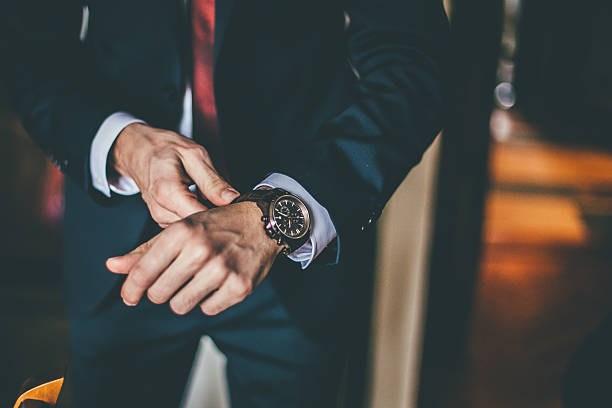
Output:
x=303 y=208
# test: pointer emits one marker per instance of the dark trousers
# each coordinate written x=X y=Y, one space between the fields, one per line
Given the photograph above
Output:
x=141 y=356
x=285 y=344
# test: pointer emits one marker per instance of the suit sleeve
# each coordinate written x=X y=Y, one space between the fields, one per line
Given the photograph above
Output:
x=53 y=85
x=359 y=157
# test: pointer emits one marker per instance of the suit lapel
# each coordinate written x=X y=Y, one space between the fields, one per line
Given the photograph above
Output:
x=223 y=11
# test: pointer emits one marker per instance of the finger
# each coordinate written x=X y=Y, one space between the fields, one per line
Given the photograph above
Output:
x=234 y=290
x=122 y=264
x=154 y=262
x=162 y=216
x=203 y=283
x=209 y=182
x=180 y=271
x=181 y=202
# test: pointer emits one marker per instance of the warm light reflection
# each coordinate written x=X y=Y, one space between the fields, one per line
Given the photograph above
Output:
x=544 y=278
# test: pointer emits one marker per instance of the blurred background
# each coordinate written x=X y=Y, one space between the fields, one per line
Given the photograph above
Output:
x=495 y=255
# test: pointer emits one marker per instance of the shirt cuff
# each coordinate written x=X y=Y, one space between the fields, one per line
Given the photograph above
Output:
x=98 y=156
x=322 y=230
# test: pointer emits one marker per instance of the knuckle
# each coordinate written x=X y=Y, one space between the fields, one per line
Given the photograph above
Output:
x=215 y=274
x=194 y=152
x=139 y=276
x=238 y=288
x=198 y=254
x=219 y=274
x=199 y=151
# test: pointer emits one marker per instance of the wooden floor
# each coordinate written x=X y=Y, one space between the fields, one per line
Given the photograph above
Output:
x=545 y=277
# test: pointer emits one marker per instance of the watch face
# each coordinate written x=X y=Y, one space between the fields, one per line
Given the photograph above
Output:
x=291 y=216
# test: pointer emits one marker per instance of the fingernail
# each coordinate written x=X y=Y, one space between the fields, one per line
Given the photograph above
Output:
x=123 y=297
x=229 y=194
x=110 y=262
x=128 y=303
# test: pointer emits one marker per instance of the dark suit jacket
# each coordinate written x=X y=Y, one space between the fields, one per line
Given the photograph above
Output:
x=346 y=110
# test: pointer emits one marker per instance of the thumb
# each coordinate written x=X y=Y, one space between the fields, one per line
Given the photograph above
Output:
x=212 y=186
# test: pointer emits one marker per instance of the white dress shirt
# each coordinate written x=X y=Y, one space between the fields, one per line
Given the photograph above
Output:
x=322 y=228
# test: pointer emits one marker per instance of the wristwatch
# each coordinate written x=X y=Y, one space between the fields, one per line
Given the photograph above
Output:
x=286 y=218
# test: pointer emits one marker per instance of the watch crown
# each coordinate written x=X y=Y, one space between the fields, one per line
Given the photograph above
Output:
x=265 y=218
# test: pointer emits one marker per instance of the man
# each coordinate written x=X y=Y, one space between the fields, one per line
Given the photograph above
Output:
x=322 y=107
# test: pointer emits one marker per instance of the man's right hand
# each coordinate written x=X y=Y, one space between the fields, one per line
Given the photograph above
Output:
x=163 y=164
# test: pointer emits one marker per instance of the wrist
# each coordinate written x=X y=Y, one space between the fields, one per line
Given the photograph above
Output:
x=286 y=218
x=253 y=214
x=128 y=149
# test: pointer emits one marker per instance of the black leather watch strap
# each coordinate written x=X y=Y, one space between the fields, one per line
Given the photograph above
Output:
x=264 y=198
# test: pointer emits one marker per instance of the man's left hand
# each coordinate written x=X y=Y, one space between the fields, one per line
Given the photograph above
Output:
x=213 y=258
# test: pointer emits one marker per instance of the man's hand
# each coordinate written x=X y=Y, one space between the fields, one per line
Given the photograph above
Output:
x=223 y=252
x=163 y=164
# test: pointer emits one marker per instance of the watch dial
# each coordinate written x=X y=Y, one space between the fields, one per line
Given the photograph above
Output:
x=289 y=217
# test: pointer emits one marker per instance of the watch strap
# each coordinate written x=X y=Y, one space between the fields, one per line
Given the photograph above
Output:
x=264 y=198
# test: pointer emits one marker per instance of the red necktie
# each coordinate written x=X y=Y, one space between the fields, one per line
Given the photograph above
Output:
x=205 y=127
